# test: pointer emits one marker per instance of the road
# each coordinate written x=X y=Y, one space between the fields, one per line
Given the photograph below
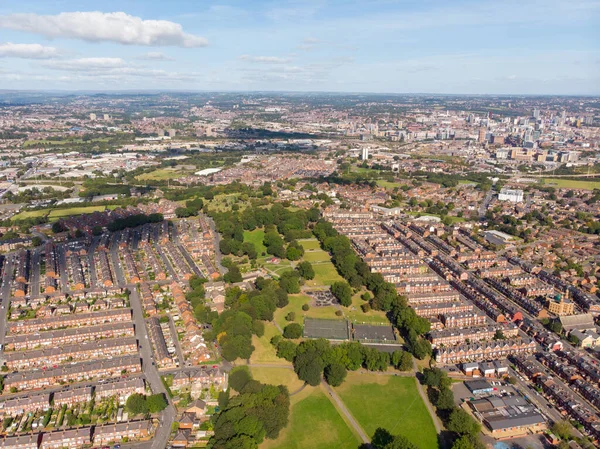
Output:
x=166 y=262
x=167 y=417
x=486 y=203
x=436 y=420
x=34 y=278
x=342 y=407
x=5 y=292
x=176 y=342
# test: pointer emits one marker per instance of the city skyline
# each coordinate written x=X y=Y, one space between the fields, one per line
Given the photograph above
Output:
x=513 y=48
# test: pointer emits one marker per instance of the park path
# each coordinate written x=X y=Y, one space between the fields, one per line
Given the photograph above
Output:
x=342 y=407
x=436 y=420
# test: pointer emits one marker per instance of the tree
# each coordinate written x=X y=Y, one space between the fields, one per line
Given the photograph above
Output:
x=562 y=429
x=464 y=442
x=306 y=270
x=58 y=227
x=309 y=365
x=286 y=350
x=136 y=404
x=335 y=374
x=291 y=316
x=499 y=335
x=233 y=275
x=239 y=377
x=292 y=331
x=512 y=380
x=156 y=403
x=445 y=399
x=342 y=291
x=462 y=423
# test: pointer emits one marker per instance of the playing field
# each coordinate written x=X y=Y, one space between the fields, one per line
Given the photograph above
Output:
x=323 y=328
x=571 y=183
x=60 y=213
x=314 y=424
x=160 y=174
x=390 y=402
x=310 y=244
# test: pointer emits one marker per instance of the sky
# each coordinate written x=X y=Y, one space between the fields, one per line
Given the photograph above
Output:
x=383 y=46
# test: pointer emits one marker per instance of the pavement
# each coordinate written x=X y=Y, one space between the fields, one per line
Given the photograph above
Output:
x=342 y=407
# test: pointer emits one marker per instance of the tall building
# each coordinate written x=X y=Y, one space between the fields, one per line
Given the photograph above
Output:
x=106 y=117
x=92 y=116
x=365 y=154
x=536 y=113
x=482 y=132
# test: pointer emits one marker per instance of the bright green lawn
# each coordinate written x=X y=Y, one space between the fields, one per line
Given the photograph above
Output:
x=389 y=402
x=314 y=424
x=571 y=183
x=309 y=244
x=257 y=236
x=387 y=184
x=325 y=275
x=60 y=213
x=160 y=174
x=30 y=214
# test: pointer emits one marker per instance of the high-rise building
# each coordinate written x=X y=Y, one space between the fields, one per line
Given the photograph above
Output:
x=482 y=133
x=106 y=117
x=536 y=113
x=365 y=154
x=92 y=116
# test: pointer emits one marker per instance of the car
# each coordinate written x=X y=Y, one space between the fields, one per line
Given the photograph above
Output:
x=117 y=446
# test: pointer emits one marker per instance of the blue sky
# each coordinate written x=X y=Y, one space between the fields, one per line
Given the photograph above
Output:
x=458 y=46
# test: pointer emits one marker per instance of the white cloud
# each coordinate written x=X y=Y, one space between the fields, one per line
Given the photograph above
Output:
x=96 y=26
x=27 y=51
x=155 y=56
x=265 y=59
x=86 y=64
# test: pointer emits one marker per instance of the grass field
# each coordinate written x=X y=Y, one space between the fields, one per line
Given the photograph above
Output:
x=30 y=214
x=256 y=237
x=160 y=174
x=355 y=314
x=571 y=183
x=325 y=275
x=295 y=305
x=60 y=213
x=264 y=352
x=388 y=184
x=314 y=424
x=325 y=272
x=54 y=214
x=389 y=402
x=421 y=214
x=277 y=376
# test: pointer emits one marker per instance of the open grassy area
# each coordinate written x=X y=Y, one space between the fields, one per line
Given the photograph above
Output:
x=277 y=376
x=314 y=424
x=60 y=213
x=310 y=244
x=30 y=214
x=264 y=352
x=257 y=236
x=355 y=314
x=54 y=214
x=295 y=305
x=388 y=184
x=389 y=402
x=160 y=174
x=325 y=275
x=570 y=183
